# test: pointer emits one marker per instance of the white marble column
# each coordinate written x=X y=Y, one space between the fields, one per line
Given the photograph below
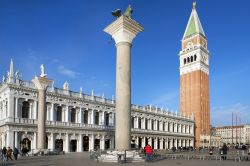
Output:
x=80 y=116
x=11 y=111
x=156 y=143
x=143 y=123
x=10 y=138
x=91 y=142
x=30 y=110
x=67 y=114
x=80 y=143
x=123 y=30
x=102 y=142
x=52 y=112
x=16 y=107
x=143 y=142
x=136 y=142
x=41 y=83
x=35 y=140
x=92 y=117
x=66 y=143
x=136 y=122
x=35 y=109
x=16 y=140
x=161 y=143
x=52 y=141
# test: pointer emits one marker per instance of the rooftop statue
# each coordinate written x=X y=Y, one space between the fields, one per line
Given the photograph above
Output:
x=117 y=13
x=42 y=71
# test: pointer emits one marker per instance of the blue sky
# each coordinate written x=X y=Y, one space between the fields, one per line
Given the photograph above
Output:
x=67 y=37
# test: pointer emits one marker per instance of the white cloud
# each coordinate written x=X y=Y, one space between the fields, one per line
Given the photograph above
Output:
x=222 y=115
x=67 y=72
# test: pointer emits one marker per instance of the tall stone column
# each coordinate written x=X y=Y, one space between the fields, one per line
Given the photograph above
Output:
x=123 y=30
x=41 y=84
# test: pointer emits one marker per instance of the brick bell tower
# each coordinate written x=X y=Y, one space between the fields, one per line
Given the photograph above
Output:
x=194 y=76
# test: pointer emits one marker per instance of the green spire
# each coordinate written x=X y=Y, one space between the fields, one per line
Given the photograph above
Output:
x=194 y=24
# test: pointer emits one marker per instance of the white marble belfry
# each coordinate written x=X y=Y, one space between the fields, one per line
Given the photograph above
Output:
x=123 y=30
x=41 y=84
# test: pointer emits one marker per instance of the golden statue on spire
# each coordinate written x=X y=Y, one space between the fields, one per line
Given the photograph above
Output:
x=194 y=4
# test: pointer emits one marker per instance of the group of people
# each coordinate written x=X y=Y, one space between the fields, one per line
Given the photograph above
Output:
x=7 y=153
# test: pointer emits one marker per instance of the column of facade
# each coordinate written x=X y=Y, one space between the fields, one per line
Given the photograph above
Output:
x=161 y=143
x=112 y=119
x=17 y=141
x=52 y=141
x=143 y=142
x=143 y=123
x=67 y=114
x=92 y=116
x=155 y=143
x=102 y=142
x=166 y=143
x=10 y=109
x=150 y=141
x=80 y=143
x=48 y=112
x=52 y=112
x=16 y=107
x=103 y=118
x=35 y=110
x=10 y=138
x=136 y=142
x=136 y=125
x=30 y=110
x=149 y=124
x=175 y=143
x=112 y=142
x=80 y=116
x=66 y=144
x=91 y=142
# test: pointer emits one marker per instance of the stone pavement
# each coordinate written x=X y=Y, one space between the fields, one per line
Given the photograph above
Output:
x=82 y=159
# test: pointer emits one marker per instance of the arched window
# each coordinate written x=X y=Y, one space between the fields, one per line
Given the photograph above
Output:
x=185 y=61
x=25 y=109
x=59 y=114
x=192 y=59
x=73 y=115
x=188 y=60
x=195 y=57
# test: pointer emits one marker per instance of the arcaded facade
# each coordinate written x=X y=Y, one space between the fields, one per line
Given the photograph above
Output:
x=78 y=122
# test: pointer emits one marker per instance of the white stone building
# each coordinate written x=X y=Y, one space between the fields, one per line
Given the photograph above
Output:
x=79 y=122
x=236 y=135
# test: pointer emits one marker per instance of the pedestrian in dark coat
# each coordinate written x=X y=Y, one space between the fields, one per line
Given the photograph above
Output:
x=15 y=153
x=4 y=151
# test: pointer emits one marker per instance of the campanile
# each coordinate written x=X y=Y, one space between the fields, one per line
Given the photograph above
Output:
x=194 y=76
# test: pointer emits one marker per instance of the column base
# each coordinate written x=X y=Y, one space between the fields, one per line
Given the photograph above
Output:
x=119 y=156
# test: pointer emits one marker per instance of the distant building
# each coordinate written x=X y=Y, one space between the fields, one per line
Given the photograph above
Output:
x=234 y=135
x=194 y=76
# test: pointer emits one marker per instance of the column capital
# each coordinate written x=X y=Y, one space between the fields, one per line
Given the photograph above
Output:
x=123 y=29
x=41 y=83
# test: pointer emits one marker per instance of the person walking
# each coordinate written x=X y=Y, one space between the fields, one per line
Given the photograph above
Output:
x=15 y=153
x=4 y=151
x=224 y=150
x=9 y=154
x=148 y=152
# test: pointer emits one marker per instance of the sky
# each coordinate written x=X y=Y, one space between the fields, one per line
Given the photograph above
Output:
x=67 y=37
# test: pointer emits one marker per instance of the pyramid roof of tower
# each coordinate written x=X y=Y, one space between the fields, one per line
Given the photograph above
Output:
x=194 y=25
